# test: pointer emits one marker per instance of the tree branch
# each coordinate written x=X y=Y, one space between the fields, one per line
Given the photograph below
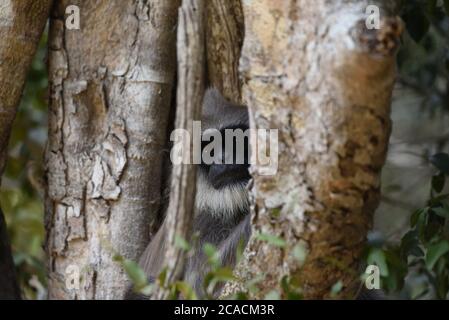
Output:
x=111 y=85
x=314 y=71
x=190 y=49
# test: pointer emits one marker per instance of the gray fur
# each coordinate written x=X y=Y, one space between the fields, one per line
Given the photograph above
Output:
x=221 y=216
x=224 y=203
x=218 y=113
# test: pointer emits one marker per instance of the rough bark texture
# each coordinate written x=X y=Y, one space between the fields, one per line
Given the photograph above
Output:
x=21 y=26
x=224 y=39
x=111 y=84
x=190 y=49
x=312 y=70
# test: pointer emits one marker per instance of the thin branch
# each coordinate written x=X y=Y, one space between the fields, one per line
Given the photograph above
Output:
x=190 y=48
x=224 y=39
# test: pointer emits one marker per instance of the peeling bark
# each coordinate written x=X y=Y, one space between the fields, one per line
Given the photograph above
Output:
x=21 y=25
x=313 y=71
x=110 y=85
x=224 y=39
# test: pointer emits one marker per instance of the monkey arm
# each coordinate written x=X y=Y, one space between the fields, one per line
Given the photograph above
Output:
x=238 y=237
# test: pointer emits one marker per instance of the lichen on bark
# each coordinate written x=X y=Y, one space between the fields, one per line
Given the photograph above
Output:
x=312 y=71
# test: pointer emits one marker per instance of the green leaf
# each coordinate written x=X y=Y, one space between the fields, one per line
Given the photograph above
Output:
x=441 y=162
x=147 y=290
x=414 y=217
x=212 y=254
x=446 y=6
x=438 y=182
x=241 y=296
x=163 y=276
x=393 y=258
x=300 y=253
x=394 y=281
x=295 y=295
x=418 y=217
x=135 y=273
x=224 y=274
x=422 y=223
x=417 y=252
x=276 y=212
x=408 y=242
x=240 y=250
x=416 y=22
x=435 y=252
x=273 y=295
x=336 y=288
x=182 y=243
x=219 y=275
x=377 y=257
x=285 y=283
x=186 y=290
x=271 y=239
x=442 y=212
x=431 y=6
x=410 y=245
x=210 y=250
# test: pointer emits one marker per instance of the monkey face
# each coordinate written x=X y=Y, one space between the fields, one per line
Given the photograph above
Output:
x=222 y=181
x=229 y=157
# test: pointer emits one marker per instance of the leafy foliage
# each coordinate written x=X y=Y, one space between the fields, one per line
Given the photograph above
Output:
x=424 y=57
x=21 y=190
x=424 y=249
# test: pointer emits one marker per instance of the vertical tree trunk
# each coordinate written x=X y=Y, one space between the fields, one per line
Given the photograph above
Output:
x=21 y=26
x=314 y=71
x=111 y=84
x=190 y=91
x=224 y=39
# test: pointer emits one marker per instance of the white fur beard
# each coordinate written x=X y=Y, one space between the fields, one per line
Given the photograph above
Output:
x=227 y=201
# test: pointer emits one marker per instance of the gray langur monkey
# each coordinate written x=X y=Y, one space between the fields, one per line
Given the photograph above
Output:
x=221 y=215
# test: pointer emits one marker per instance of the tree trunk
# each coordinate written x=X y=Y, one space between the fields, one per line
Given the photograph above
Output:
x=111 y=84
x=21 y=26
x=314 y=71
x=224 y=39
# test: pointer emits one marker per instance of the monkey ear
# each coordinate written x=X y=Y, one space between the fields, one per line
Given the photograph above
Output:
x=214 y=99
x=218 y=112
x=213 y=102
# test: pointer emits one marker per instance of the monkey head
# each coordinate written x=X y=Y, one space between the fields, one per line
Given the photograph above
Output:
x=221 y=183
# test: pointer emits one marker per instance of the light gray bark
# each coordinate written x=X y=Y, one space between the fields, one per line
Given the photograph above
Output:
x=110 y=85
x=312 y=70
x=21 y=25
